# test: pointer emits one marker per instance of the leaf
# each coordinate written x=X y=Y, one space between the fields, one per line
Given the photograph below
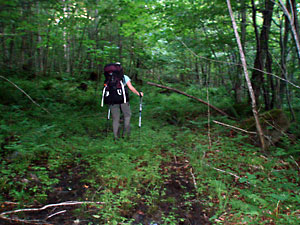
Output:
x=280 y=197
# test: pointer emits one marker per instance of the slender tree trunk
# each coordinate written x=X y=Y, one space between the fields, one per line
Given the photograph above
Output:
x=80 y=56
x=198 y=77
x=46 y=52
x=262 y=47
x=292 y=17
x=4 y=51
x=67 y=42
x=266 y=87
x=284 y=73
x=39 y=63
x=11 y=48
x=252 y=95
x=120 y=40
x=238 y=78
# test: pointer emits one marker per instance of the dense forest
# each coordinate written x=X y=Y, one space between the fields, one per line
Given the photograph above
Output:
x=214 y=139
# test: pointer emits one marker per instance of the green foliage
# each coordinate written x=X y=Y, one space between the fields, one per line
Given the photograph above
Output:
x=72 y=150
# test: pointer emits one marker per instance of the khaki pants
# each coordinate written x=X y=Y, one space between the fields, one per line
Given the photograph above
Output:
x=115 y=111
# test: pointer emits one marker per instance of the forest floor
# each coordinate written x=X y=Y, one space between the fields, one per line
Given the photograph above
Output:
x=179 y=187
x=65 y=168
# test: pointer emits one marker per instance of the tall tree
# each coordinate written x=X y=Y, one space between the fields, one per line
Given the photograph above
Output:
x=252 y=94
x=262 y=46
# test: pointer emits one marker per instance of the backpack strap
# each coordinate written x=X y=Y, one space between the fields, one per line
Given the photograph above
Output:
x=103 y=93
x=123 y=90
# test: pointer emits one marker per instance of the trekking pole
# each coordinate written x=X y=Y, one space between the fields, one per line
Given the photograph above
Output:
x=141 y=108
x=108 y=114
x=140 y=116
x=108 y=117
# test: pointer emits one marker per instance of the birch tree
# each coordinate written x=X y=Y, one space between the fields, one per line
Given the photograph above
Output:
x=243 y=60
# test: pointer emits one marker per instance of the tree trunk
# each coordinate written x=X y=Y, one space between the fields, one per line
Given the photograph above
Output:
x=238 y=79
x=283 y=48
x=4 y=55
x=252 y=95
x=198 y=77
x=293 y=19
x=11 y=48
x=39 y=57
x=262 y=47
x=266 y=88
x=66 y=42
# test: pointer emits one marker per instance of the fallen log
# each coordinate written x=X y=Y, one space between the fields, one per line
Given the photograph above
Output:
x=190 y=96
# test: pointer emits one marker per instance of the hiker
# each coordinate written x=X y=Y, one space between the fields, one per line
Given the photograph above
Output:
x=115 y=94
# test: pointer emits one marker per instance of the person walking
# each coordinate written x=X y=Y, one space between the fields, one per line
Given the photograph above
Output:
x=115 y=94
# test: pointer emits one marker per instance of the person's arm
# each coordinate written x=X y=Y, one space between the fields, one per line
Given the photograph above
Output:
x=133 y=89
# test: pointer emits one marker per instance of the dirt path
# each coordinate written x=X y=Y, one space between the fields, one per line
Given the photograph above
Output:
x=178 y=202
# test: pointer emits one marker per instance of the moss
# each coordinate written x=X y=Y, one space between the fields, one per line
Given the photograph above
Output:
x=274 y=123
x=239 y=110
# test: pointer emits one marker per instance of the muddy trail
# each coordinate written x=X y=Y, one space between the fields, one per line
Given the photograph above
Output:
x=64 y=205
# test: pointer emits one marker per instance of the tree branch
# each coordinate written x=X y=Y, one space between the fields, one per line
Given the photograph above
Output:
x=34 y=102
x=237 y=128
x=17 y=220
x=190 y=96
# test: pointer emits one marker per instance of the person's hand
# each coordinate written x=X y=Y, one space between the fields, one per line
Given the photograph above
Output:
x=141 y=94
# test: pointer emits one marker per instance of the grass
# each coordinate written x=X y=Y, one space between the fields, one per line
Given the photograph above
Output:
x=71 y=155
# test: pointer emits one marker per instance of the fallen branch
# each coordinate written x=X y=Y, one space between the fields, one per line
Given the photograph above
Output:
x=232 y=174
x=28 y=96
x=295 y=162
x=21 y=221
x=17 y=220
x=190 y=96
x=194 y=179
x=57 y=213
x=237 y=128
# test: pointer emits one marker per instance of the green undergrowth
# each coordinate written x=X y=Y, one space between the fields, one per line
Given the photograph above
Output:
x=70 y=155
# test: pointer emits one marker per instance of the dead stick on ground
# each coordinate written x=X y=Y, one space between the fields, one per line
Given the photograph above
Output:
x=2 y=215
x=237 y=128
x=57 y=213
x=28 y=96
x=190 y=96
x=49 y=206
x=295 y=162
x=194 y=179
x=232 y=174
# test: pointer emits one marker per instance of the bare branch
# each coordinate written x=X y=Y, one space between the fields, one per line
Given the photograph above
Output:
x=57 y=213
x=232 y=174
x=190 y=96
x=48 y=206
x=295 y=162
x=34 y=102
x=4 y=215
x=194 y=179
x=237 y=128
